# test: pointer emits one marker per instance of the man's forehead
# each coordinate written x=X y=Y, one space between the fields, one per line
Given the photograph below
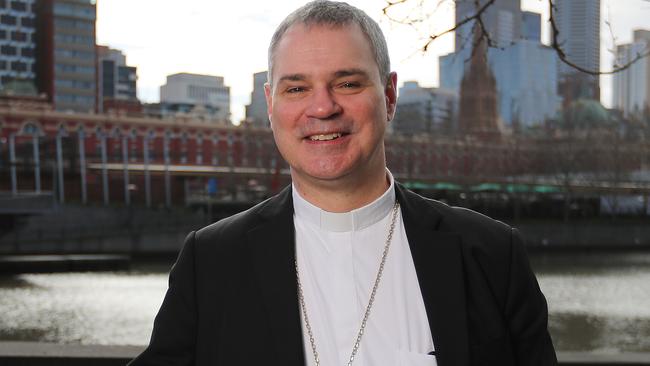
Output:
x=304 y=28
x=304 y=41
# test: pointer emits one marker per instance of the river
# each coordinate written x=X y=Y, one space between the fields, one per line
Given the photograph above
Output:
x=597 y=302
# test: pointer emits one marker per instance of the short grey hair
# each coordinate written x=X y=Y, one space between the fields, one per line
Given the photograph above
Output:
x=336 y=14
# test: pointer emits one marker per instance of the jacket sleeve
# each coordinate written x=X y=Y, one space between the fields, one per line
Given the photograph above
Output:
x=526 y=311
x=174 y=331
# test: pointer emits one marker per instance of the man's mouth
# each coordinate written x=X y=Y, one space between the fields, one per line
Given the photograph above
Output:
x=325 y=137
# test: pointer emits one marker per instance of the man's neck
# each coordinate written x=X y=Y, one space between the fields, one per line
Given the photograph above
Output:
x=342 y=196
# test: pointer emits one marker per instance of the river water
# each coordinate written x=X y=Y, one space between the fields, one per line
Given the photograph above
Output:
x=598 y=302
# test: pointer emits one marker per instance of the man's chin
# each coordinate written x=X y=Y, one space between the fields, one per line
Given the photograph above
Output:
x=324 y=177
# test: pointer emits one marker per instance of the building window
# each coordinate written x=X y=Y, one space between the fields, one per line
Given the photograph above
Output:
x=19 y=6
x=3 y=4
x=27 y=22
x=80 y=55
x=19 y=36
x=27 y=52
x=72 y=39
x=3 y=65
x=18 y=66
x=74 y=69
x=3 y=34
x=74 y=84
x=73 y=24
x=73 y=10
x=8 y=19
x=8 y=50
x=133 y=139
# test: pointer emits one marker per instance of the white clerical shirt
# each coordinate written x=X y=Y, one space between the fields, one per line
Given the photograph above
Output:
x=338 y=257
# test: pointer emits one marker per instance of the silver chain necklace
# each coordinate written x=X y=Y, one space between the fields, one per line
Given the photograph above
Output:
x=362 y=329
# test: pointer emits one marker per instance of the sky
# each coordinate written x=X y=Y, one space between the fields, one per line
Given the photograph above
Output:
x=230 y=38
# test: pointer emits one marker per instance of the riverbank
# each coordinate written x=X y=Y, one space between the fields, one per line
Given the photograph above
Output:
x=139 y=232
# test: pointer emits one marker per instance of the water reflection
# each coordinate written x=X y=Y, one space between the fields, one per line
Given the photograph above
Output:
x=597 y=302
x=88 y=308
x=615 y=334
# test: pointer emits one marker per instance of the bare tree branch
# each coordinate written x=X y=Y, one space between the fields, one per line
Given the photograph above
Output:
x=476 y=17
x=485 y=36
x=555 y=44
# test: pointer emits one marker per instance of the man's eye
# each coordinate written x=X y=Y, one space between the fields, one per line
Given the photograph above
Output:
x=349 y=85
x=295 y=89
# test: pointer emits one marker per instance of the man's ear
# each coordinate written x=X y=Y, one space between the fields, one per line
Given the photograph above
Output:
x=390 y=92
x=268 y=94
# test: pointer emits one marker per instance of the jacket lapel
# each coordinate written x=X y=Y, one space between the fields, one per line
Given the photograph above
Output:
x=438 y=264
x=439 y=267
x=272 y=249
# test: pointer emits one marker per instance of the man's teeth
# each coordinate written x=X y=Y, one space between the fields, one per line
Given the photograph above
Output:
x=327 y=137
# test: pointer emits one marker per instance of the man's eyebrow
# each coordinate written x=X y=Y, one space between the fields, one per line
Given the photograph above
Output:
x=337 y=74
x=351 y=72
x=292 y=77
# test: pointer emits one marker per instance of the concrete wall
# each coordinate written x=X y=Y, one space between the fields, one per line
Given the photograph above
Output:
x=83 y=229
x=100 y=230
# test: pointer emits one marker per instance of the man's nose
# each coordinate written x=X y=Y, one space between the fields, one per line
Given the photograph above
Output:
x=323 y=104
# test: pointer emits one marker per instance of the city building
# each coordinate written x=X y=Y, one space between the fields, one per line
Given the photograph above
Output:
x=424 y=110
x=117 y=82
x=531 y=26
x=203 y=92
x=502 y=20
x=17 y=46
x=65 y=48
x=478 y=114
x=631 y=90
x=527 y=80
x=525 y=73
x=256 y=112
x=578 y=24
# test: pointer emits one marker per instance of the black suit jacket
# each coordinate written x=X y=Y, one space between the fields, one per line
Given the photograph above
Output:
x=232 y=297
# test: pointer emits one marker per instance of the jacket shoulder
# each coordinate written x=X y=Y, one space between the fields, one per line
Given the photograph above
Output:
x=454 y=218
x=481 y=237
x=229 y=232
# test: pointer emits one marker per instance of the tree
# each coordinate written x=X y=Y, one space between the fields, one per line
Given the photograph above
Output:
x=477 y=18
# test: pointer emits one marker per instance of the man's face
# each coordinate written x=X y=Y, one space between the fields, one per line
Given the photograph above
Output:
x=328 y=106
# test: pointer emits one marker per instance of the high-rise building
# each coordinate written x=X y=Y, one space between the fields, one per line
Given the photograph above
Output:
x=502 y=20
x=206 y=92
x=424 y=110
x=65 y=47
x=525 y=73
x=632 y=85
x=578 y=24
x=17 y=46
x=256 y=111
x=531 y=26
x=117 y=82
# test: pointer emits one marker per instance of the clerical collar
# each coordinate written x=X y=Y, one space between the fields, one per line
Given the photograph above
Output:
x=354 y=220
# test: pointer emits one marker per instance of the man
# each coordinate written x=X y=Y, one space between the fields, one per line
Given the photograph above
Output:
x=346 y=266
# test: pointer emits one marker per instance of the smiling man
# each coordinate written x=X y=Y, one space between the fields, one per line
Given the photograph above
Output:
x=346 y=266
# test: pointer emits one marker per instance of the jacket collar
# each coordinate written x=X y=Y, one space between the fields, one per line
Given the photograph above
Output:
x=439 y=266
x=436 y=255
x=272 y=249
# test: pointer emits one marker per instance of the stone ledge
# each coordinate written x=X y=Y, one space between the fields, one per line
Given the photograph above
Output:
x=54 y=354
x=54 y=350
